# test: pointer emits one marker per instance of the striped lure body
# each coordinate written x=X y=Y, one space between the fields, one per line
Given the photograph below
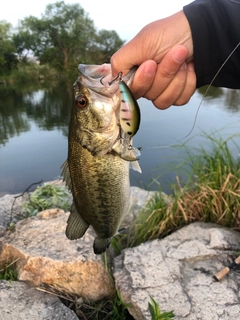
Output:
x=130 y=115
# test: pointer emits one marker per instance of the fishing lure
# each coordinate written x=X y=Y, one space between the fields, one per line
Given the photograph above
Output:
x=130 y=116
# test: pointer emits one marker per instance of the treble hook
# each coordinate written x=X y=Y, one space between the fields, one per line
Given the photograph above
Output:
x=102 y=80
x=116 y=78
x=119 y=76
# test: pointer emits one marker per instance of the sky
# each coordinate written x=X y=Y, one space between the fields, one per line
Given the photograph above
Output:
x=126 y=17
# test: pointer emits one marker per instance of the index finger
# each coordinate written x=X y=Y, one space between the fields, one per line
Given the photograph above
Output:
x=125 y=58
x=167 y=70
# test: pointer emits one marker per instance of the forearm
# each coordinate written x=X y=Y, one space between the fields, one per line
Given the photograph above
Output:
x=215 y=27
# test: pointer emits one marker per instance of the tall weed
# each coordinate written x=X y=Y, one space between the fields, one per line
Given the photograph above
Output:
x=211 y=194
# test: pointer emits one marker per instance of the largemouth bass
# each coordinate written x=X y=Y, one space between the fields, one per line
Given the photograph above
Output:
x=97 y=168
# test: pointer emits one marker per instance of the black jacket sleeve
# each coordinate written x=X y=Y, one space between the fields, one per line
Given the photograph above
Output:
x=215 y=27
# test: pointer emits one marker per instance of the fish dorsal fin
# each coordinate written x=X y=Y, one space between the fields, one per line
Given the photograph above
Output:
x=66 y=175
x=76 y=226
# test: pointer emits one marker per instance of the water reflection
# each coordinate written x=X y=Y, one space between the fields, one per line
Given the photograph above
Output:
x=34 y=127
x=49 y=108
x=13 y=119
x=229 y=99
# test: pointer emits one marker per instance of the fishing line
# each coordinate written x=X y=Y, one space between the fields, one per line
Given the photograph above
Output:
x=204 y=96
x=200 y=104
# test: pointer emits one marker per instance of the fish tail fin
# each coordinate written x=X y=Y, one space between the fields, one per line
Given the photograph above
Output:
x=100 y=245
x=76 y=226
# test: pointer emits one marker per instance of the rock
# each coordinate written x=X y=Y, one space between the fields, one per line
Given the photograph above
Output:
x=177 y=272
x=11 y=205
x=44 y=255
x=9 y=209
x=139 y=198
x=21 y=302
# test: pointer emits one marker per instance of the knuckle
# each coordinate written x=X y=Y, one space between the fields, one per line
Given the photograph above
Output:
x=161 y=104
x=168 y=72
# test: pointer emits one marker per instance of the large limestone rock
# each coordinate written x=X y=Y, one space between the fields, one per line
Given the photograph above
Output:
x=178 y=273
x=21 y=302
x=44 y=255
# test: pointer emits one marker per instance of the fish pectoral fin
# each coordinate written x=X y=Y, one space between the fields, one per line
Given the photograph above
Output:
x=135 y=166
x=66 y=175
x=76 y=226
x=100 y=245
x=124 y=149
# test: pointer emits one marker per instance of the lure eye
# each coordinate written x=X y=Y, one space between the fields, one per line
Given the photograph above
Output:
x=81 y=101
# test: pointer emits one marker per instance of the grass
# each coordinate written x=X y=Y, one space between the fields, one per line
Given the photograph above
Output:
x=9 y=272
x=104 y=309
x=45 y=197
x=211 y=194
x=156 y=313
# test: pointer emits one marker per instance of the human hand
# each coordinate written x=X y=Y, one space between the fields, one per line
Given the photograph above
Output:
x=163 y=51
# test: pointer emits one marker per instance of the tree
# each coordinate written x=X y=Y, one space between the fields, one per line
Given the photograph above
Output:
x=64 y=37
x=108 y=43
x=8 y=58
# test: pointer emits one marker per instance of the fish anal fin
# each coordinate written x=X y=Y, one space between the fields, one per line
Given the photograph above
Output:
x=76 y=226
x=100 y=245
x=66 y=175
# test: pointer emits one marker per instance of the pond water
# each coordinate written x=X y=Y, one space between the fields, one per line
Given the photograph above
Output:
x=34 y=129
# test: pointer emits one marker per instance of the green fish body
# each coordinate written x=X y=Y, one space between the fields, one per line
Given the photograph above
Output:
x=94 y=172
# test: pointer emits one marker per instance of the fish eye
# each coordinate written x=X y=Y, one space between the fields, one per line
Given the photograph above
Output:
x=81 y=101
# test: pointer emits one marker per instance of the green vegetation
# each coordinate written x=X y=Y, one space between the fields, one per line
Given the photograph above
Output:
x=9 y=272
x=33 y=73
x=8 y=58
x=62 y=38
x=114 y=309
x=46 y=197
x=105 y=309
x=211 y=194
x=156 y=312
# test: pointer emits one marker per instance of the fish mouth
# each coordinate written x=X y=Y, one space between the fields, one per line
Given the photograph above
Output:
x=98 y=77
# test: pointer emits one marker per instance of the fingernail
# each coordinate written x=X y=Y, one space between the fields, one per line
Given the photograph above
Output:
x=150 y=69
x=183 y=66
x=190 y=66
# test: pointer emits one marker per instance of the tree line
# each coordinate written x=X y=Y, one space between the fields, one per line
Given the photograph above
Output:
x=63 y=37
